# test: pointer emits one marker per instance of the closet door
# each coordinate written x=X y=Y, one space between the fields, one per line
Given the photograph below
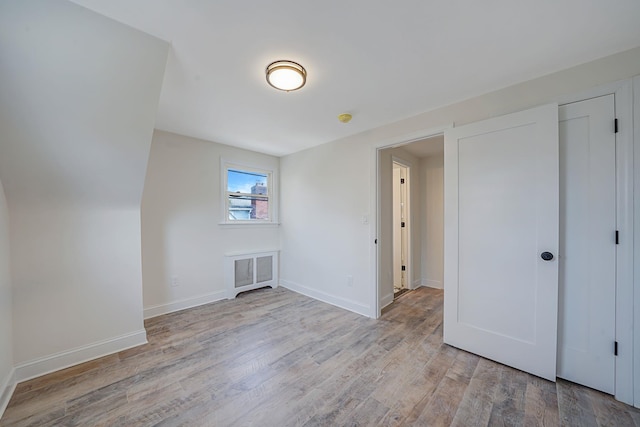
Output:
x=587 y=306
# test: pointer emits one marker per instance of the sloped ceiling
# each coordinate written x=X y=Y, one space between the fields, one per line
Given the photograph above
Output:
x=79 y=98
x=379 y=60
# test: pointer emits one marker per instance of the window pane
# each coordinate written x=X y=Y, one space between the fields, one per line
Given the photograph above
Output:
x=248 y=207
x=246 y=182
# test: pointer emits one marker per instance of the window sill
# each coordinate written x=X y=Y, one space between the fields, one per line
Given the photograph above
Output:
x=249 y=224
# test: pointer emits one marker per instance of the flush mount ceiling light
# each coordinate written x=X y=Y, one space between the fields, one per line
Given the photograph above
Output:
x=286 y=75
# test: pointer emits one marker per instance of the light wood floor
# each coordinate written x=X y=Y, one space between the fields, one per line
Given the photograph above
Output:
x=276 y=358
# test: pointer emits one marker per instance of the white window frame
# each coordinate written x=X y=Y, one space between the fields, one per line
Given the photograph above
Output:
x=272 y=180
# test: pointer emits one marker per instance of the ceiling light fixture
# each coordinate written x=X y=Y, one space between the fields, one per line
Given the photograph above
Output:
x=286 y=75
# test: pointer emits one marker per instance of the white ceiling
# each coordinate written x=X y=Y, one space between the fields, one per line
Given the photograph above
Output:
x=382 y=61
x=426 y=147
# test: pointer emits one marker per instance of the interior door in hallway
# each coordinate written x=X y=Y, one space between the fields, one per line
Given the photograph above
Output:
x=400 y=227
x=501 y=239
x=587 y=263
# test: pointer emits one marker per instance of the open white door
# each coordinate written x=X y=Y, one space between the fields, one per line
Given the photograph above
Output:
x=501 y=219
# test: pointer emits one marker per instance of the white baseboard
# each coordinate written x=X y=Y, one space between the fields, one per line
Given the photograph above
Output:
x=345 y=303
x=55 y=362
x=6 y=390
x=386 y=300
x=158 y=310
x=432 y=284
x=416 y=284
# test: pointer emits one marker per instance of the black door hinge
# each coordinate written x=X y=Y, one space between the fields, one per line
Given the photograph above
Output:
x=404 y=268
x=375 y=242
x=617 y=237
x=615 y=126
x=402 y=179
x=615 y=348
x=402 y=224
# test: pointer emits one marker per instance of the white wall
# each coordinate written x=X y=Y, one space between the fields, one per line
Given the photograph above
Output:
x=82 y=95
x=324 y=197
x=6 y=321
x=181 y=212
x=327 y=189
x=78 y=278
x=432 y=212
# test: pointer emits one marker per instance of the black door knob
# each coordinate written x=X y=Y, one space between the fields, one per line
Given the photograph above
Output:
x=547 y=256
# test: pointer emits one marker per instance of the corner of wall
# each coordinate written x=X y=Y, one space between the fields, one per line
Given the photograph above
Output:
x=183 y=304
x=436 y=284
x=337 y=301
x=7 y=387
x=55 y=362
x=183 y=242
x=386 y=300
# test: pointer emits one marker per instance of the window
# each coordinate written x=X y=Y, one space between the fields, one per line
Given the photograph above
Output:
x=248 y=194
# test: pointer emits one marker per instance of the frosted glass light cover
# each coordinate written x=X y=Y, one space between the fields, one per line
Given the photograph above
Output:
x=285 y=79
x=286 y=75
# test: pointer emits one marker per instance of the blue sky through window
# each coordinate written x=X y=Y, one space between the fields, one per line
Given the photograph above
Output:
x=241 y=181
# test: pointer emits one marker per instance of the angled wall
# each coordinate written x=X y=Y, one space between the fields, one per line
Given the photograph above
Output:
x=80 y=94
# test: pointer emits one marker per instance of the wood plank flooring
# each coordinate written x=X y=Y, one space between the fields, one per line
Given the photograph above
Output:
x=277 y=358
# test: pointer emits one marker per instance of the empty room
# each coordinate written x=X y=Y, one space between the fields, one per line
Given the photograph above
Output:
x=218 y=213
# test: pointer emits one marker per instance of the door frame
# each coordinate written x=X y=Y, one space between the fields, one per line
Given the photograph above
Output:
x=375 y=201
x=409 y=218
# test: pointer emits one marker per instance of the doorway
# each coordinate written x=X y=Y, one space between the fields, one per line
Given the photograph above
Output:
x=420 y=163
x=401 y=259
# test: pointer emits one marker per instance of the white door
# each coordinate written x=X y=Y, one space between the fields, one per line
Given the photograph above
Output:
x=400 y=227
x=397 y=230
x=501 y=215
x=586 y=321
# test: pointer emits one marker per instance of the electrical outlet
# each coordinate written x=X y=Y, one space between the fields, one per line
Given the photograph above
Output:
x=175 y=282
x=350 y=281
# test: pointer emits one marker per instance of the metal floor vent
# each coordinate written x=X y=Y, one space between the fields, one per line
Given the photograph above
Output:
x=244 y=272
